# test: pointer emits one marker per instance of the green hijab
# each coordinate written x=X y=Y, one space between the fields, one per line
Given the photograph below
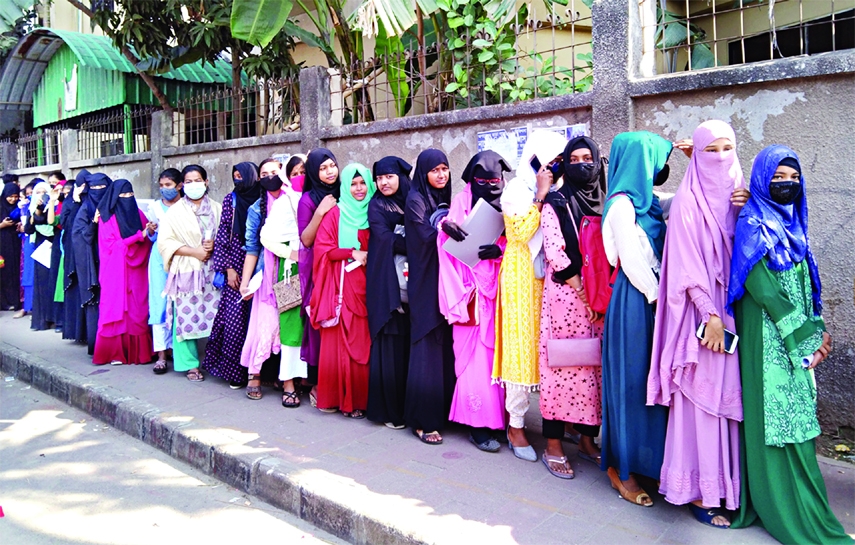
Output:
x=353 y=214
x=634 y=161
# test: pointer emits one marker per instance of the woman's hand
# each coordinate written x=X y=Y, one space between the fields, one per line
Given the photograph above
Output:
x=151 y=228
x=233 y=279
x=575 y=282
x=686 y=145
x=739 y=197
x=244 y=292
x=326 y=204
x=97 y=217
x=361 y=256
x=54 y=193
x=454 y=231
x=201 y=253
x=7 y=222
x=823 y=351
x=714 y=335
x=544 y=182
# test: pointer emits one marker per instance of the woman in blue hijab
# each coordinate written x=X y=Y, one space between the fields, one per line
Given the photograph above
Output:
x=775 y=294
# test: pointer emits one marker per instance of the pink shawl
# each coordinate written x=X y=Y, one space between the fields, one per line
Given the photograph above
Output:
x=695 y=271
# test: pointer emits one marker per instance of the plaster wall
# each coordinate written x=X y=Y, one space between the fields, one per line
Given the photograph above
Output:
x=814 y=117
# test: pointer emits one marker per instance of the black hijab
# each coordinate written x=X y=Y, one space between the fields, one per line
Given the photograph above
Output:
x=584 y=191
x=246 y=193
x=6 y=209
x=124 y=208
x=383 y=295
x=487 y=165
x=428 y=160
x=393 y=165
x=93 y=199
x=313 y=185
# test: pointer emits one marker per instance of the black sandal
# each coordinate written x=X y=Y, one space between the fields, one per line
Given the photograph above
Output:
x=357 y=414
x=253 y=392
x=159 y=367
x=290 y=400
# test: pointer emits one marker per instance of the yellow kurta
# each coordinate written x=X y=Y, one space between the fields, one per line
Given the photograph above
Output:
x=518 y=311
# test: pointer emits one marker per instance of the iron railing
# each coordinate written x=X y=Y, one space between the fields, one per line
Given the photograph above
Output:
x=526 y=59
x=120 y=131
x=39 y=148
x=265 y=107
x=688 y=35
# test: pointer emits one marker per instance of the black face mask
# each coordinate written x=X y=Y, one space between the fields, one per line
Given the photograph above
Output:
x=581 y=173
x=61 y=197
x=784 y=192
x=271 y=183
x=662 y=177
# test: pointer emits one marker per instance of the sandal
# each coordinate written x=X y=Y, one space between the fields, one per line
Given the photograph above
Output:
x=560 y=460
x=638 y=498
x=423 y=437
x=290 y=400
x=705 y=516
x=591 y=458
x=357 y=414
x=159 y=367
x=253 y=392
x=194 y=375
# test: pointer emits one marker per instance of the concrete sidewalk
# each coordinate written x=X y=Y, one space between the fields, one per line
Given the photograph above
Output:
x=361 y=481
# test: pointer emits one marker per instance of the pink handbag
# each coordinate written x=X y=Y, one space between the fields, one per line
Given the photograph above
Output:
x=332 y=322
x=574 y=352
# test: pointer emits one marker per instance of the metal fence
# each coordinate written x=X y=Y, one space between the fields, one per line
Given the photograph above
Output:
x=691 y=34
x=39 y=148
x=265 y=107
x=525 y=59
x=119 y=131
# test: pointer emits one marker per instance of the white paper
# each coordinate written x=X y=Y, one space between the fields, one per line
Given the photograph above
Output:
x=484 y=225
x=352 y=266
x=254 y=283
x=42 y=253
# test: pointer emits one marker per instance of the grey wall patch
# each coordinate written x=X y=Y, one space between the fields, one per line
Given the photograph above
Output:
x=681 y=121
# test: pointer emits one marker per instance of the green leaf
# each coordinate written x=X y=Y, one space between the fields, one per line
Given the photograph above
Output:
x=702 y=57
x=505 y=46
x=458 y=72
x=312 y=40
x=481 y=43
x=455 y=22
x=469 y=20
x=258 y=21
x=485 y=55
x=458 y=43
x=451 y=87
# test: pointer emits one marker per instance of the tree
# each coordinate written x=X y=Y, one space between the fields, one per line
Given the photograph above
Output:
x=17 y=18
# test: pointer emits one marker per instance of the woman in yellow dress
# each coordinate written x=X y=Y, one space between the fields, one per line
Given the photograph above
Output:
x=518 y=311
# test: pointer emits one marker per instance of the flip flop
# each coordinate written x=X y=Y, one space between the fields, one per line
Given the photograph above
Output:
x=705 y=516
x=588 y=458
x=548 y=459
x=423 y=437
x=572 y=437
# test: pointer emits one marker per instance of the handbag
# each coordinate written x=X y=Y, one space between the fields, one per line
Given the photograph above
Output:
x=574 y=352
x=402 y=271
x=332 y=322
x=288 y=292
x=219 y=280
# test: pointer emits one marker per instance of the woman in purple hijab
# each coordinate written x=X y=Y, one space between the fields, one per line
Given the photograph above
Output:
x=695 y=377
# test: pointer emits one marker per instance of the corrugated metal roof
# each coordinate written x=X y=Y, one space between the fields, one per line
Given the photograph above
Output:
x=25 y=65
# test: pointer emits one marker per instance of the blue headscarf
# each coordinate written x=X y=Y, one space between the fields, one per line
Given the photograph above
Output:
x=634 y=161
x=778 y=232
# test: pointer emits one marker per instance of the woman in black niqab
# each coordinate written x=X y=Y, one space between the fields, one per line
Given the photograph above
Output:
x=85 y=242
x=10 y=249
x=246 y=193
x=74 y=317
x=431 y=377
x=126 y=210
x=388 y=317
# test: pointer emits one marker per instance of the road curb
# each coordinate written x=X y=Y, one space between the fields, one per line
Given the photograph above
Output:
x=271 y=479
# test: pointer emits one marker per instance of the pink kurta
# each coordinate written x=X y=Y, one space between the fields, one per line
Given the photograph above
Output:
x=123 y=331
x=477 y=401
x=569 y=394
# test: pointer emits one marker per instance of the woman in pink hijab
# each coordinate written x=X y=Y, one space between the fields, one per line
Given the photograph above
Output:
x=694 y=376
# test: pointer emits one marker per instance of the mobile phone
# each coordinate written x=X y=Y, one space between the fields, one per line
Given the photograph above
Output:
x=730 y=338
x=535 y=164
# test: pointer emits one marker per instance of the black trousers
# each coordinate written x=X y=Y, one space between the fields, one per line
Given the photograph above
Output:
x=554 y=429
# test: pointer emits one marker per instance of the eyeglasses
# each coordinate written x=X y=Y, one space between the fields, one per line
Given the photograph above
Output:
x=491 y=181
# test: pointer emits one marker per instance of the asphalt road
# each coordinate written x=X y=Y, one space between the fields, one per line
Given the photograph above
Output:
x=67 y=478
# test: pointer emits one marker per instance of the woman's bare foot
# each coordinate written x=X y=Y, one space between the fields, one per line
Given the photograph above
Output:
x=717 y=520
x=554 y=449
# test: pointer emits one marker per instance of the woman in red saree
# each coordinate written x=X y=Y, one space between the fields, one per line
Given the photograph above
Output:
x=341 y=244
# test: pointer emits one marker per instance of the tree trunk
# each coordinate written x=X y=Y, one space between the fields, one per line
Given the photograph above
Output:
x=149 y=81
x=237 y=95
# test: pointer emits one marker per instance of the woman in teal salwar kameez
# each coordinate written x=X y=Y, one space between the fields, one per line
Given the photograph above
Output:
x=774 y=292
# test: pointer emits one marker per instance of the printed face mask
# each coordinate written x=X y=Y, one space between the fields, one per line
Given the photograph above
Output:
x=784 y=192
x=195 y=190
x=168 y=193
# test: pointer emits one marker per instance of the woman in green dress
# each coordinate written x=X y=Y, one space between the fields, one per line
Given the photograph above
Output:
x=774 y=292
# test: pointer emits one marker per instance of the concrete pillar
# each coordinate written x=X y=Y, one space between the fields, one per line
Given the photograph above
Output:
x=615 y=30
x=161 y=137
x=314 y=105
x=68 y=150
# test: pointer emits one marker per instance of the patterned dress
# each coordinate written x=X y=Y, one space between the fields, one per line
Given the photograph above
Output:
x=222 y=355
x=569 y=394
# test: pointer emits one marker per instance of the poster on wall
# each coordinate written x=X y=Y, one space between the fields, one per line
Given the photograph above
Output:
x=509 y=143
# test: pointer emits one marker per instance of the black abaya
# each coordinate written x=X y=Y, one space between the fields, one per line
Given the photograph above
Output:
x=389 y=363
x=10 y=249
x=42 y=316
x=74 y=317
x=56 y=309
x=431 y=377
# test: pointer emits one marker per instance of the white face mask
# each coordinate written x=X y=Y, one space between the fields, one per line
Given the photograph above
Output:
x=195 y=190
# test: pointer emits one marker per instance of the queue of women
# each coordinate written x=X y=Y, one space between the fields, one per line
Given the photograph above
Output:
x=625 y=327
